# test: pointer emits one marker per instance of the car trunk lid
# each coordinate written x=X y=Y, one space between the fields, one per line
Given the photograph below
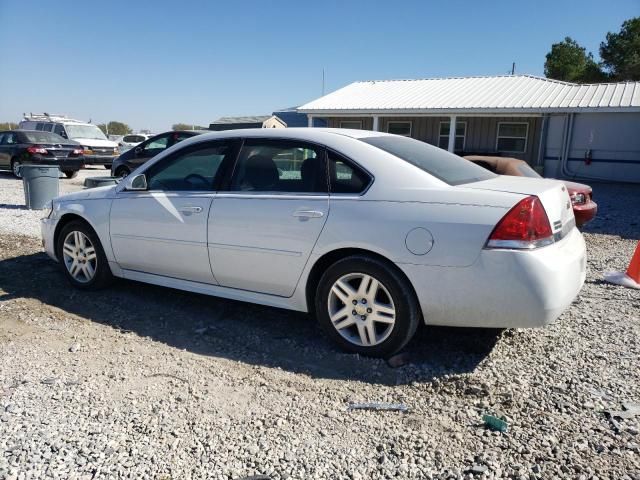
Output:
x=552 y=193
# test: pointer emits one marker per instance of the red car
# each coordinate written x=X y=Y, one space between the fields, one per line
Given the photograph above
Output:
x=584 y=208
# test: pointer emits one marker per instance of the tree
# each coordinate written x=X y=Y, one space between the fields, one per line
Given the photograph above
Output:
x=620 y=52
x=186 y=126
x=115 y=128
x=570 y=62
x=8 y=126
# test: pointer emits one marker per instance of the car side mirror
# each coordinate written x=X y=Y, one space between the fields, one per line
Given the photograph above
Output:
x=136 y=182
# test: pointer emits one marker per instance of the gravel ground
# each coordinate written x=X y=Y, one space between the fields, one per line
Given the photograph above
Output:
x=140 y=381
x=16 y=218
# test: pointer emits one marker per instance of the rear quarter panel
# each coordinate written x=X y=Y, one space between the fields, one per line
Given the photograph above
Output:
x=459 y=231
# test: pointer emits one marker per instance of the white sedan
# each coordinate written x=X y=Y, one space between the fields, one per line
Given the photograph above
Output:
x=373 y=233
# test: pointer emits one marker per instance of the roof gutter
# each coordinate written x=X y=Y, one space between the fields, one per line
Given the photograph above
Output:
x=467 y=112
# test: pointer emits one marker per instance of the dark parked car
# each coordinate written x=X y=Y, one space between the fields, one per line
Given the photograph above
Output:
x=133 y=158
x=584 y=208
x=25 y=147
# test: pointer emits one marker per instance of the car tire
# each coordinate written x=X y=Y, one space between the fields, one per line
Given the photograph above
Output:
x=15 y=167
x=77 y=246
x=122 y=172
x=374 y=307
x=70 y=173
x=108 y=167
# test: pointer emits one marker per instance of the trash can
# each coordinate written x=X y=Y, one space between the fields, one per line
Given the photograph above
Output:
x=40 y=184
x=92 y=182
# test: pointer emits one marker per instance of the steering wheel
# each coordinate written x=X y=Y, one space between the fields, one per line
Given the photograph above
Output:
x=197 y=177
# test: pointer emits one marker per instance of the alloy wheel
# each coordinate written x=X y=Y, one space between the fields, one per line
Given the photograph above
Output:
x=79 y=256
x=16 y=168
x=361 y=309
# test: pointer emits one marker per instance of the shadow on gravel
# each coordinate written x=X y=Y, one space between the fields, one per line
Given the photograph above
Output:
x=11 y=206
x=244 y=332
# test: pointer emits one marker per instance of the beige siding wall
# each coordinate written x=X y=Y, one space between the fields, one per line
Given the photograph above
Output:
x=481 y=133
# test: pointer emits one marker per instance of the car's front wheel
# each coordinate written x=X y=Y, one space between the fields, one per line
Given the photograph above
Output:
x=70 y=173
x=367 y=306
x=82 y=257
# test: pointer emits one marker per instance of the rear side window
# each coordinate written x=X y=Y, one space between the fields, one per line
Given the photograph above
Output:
x=443 y=165
x=279 y=166
x=344 y=177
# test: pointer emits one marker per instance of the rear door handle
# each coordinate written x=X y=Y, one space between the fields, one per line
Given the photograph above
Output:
x=308 y=213
x=190 y=210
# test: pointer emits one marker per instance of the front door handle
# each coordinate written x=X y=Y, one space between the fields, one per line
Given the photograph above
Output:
x=308 y=213
x=189 y=210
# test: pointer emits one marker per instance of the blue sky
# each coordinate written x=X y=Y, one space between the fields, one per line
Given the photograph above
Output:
x=155 y=63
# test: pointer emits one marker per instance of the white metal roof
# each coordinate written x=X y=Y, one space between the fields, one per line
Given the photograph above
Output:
x=498 y=94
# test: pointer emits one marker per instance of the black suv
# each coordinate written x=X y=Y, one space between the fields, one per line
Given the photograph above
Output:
x=136 y=156
x=24 y=147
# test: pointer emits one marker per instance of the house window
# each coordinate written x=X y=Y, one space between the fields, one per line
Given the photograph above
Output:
x=399 y=128
x=461 y=134
x=512 y=137
x=355 y=124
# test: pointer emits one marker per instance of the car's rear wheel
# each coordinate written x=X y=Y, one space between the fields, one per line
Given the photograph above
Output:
x=15 y=168
x=70 y=173
x=82 y=257
x=367 y=306
x=122 y=172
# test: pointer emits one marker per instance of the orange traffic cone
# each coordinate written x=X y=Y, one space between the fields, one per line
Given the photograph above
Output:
x=631 y=279
x=634 y=267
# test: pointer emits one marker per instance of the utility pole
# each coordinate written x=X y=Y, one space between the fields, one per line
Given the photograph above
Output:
x=513 y=68
x=323 y=82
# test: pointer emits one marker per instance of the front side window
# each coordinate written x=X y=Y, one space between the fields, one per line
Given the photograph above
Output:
x=191 y=170
x=399 y=128
x=59 y=130
x=461 y=133
x=279 y=166
x=344 y=177
x=512 y=137
x=445 y=166
x=354 y=125
x=155 y=146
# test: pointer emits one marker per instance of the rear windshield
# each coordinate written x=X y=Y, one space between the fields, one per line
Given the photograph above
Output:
x=441 y=164
x=45 y=137
x=527 y=171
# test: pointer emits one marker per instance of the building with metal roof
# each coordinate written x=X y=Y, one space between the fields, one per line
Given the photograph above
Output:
x=589 y=131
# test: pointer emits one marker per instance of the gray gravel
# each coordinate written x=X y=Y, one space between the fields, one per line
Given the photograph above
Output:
x=15 y=218
x=144 y=382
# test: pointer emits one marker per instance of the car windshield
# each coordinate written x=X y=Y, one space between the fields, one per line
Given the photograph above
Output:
x=527 y=171
x=85 y=131
x=441 y=164
x=45 y=137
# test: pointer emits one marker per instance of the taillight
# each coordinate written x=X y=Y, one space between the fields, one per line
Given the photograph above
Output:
x=525 y=226
x=37 y=149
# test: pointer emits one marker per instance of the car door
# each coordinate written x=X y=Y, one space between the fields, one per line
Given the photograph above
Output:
x=163 y=230
x=8 y=147
x=262 y=229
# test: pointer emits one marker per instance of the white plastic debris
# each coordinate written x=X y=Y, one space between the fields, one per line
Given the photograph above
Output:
x=621 y=278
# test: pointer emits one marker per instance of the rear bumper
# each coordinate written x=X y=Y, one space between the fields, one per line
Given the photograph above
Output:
x=99 y=159
x=503 y=288
x=65 y=164
x=585 y=213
